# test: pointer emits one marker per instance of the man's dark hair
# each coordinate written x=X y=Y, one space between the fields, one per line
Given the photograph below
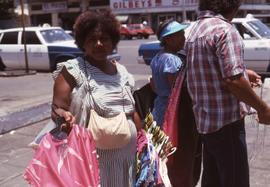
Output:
x=90 y=21
x=222 y=7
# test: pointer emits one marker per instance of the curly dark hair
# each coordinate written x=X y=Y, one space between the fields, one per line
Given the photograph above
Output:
x=222 y=7
x=161 y=26
x=90 y=21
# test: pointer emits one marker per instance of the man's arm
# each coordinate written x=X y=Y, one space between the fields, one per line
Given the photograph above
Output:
x=241 y=88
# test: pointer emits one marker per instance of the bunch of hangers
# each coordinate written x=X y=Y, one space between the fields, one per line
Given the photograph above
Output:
x=160 y=140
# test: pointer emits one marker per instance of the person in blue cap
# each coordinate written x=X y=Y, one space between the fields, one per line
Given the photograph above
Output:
x=186 y=167
x=166 y=64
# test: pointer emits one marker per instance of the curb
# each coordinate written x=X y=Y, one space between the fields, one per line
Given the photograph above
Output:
x=16 y=73
x=25 y=117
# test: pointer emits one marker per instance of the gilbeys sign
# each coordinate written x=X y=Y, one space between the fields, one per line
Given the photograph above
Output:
x=146 y=4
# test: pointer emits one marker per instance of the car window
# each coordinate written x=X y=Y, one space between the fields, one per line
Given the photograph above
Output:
x=10 y=38
x=260 y=28
x=31 y=38
x=244 y=32
x=55 y=35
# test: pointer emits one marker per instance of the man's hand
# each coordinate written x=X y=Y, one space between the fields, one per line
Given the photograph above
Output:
x=241 y=89
x=264 y=116
x=254 y=79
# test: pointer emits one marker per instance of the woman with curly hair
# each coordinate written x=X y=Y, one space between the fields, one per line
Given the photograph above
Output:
x=94 y=82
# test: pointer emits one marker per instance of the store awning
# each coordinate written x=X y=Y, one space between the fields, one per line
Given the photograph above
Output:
x=122 y=18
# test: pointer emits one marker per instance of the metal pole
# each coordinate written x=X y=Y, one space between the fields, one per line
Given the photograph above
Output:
x=24 y=39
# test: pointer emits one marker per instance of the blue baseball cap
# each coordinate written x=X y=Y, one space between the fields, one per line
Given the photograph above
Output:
x=172 y=28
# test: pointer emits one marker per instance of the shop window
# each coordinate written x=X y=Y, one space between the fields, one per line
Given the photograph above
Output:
x=73 y=5
x=99 y=3
x=36 y=7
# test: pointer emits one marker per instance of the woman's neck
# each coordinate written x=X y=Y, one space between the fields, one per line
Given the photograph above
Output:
x=168 y=50
x=103 y=65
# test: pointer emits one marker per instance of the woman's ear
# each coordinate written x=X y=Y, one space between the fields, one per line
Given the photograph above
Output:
x=164 y=41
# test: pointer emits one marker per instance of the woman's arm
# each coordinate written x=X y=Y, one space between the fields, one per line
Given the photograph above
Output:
x=137 y=121
x=62 y=89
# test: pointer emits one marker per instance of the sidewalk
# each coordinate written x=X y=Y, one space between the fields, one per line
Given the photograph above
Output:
x=15 y=155
x=24 y=100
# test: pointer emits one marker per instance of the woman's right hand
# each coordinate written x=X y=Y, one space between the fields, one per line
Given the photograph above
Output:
x=67 y=120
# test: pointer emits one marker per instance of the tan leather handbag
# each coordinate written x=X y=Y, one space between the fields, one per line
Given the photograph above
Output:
x=109 y=133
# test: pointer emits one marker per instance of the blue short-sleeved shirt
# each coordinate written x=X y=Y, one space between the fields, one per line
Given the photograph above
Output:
x=162 y=64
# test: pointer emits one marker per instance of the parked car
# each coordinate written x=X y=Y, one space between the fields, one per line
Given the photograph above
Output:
x=142 y=30
x=70 y=32
x=46 y=46
x=127 y=33
x=256 y=38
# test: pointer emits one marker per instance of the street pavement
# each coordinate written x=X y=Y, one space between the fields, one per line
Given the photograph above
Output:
x=15 y=155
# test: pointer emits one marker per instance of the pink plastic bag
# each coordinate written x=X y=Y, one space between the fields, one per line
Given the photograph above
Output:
x=69 y=162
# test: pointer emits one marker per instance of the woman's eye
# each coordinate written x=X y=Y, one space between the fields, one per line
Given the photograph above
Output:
x=105 y=39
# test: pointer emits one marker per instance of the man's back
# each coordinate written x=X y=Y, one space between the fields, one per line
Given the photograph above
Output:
x=214 y=52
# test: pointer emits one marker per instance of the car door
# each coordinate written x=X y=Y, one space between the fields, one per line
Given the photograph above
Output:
x=9 y=50
x=256 y=50
x=37 y=52
x=256 y=54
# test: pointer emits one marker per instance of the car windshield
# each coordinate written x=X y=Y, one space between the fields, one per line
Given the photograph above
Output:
x=260 y=28
x=55 y=35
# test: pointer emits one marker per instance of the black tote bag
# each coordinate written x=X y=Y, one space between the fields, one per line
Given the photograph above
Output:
x=144 y=100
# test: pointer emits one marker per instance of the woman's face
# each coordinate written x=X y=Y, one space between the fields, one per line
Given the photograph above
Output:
x=176 y=41
x=98 y=45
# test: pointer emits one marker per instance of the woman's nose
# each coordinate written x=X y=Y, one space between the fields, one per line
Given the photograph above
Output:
x=98 y=43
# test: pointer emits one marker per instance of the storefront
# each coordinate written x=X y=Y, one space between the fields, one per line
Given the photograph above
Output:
x=58 y=13
x=155 y=11
x=64 y=12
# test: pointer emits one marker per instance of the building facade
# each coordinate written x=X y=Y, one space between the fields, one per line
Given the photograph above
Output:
x=64 y=12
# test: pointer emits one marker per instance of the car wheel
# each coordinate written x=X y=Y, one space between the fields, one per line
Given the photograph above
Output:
x=2 y=65
x=122 y=37
x=140 y=36
x=146 y=36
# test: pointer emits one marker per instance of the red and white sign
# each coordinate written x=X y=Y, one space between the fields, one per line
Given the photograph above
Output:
x=146 y=4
